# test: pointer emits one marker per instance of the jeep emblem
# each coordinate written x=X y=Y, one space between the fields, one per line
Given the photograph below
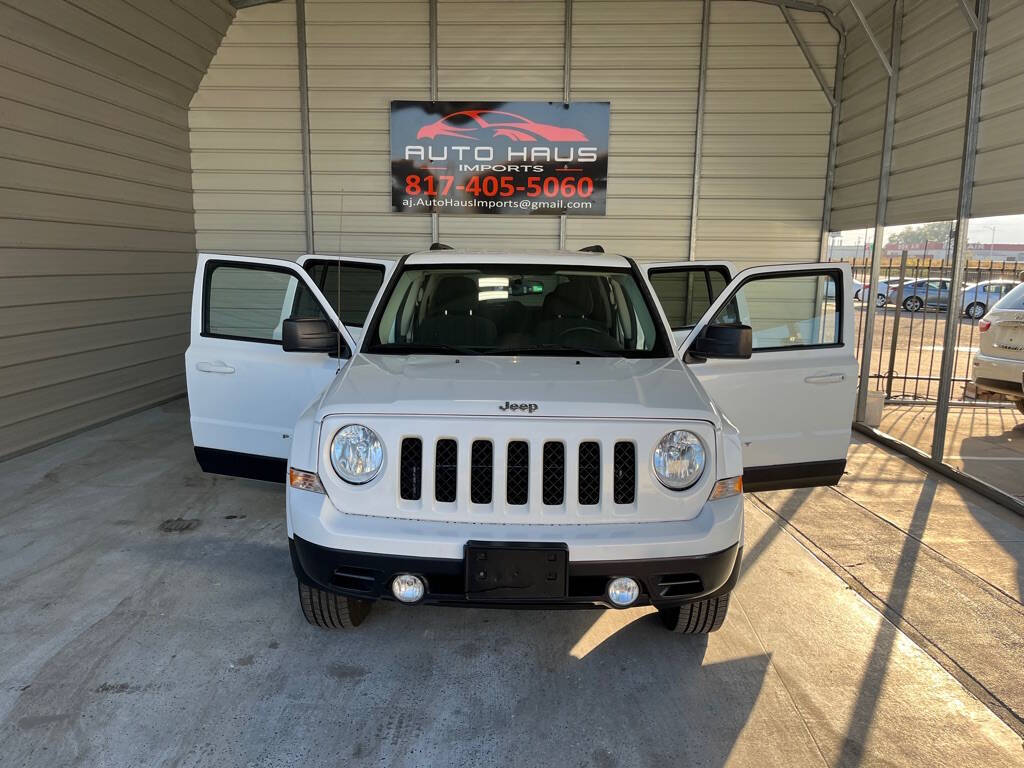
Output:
x=528 y=407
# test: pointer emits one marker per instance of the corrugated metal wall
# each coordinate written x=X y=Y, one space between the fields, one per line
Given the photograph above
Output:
x=246 y=140
x=999 y=175
x=643 y=57
x=862 y=112
x=97 y=243
x=361 y=56
x=930 y=113
x=766 y=126
x=766 y=136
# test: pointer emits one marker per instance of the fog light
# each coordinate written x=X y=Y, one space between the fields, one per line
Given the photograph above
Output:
x=623 y=591
x=408 y=588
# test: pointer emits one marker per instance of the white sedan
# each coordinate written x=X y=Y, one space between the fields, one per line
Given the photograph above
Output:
x=998 y=366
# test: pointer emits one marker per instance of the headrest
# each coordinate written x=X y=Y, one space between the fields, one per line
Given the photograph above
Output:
x=456 y=294
x=571 y=299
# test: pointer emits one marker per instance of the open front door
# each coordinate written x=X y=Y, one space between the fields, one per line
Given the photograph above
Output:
x=792 y=399
x=685 y=290
x=245 y=392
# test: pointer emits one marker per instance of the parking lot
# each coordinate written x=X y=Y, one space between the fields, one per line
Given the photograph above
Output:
x=876 y=623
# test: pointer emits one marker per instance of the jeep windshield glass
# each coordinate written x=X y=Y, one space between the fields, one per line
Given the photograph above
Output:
x=516 y=310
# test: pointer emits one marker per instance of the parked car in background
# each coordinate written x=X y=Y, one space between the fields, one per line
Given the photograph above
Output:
x=921 y=293
x=881 y=293
x=998 y=365
x=978 y=297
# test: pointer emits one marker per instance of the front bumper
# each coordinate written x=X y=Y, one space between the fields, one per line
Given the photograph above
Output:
x=664 y=582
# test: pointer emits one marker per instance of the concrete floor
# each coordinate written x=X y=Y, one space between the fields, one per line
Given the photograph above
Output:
x=123 y=645
x=987 y=442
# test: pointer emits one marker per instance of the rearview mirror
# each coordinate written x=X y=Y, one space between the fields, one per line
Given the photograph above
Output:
x=308 y=335
x=725 y=340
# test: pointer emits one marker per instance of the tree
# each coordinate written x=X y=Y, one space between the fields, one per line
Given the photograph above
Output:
x=936 y=230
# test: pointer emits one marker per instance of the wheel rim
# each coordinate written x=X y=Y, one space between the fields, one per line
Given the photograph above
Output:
x=913 y=304
x=976 y=310
x=880 y=300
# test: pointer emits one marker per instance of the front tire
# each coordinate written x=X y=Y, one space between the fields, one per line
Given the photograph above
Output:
x=697 y=618
x=881 y=300
x=913 y=303
x=975 y=310
x=328 y=610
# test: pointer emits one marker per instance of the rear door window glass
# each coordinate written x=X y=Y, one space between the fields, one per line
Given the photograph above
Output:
x=686 y=293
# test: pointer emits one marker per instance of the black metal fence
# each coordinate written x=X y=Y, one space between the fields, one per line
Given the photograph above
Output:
x=910 y=322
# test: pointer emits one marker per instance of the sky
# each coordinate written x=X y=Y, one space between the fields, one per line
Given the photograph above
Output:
x=1008 y=229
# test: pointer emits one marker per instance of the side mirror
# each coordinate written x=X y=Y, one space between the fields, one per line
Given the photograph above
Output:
x=733 y=341
x=308 y=335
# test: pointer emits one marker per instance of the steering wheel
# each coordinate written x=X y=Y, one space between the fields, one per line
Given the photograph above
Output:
x=586 y=328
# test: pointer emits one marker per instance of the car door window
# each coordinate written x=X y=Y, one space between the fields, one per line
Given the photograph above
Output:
x=359 y=286
x=250 y=303
x=686 y=293
x=787 y=311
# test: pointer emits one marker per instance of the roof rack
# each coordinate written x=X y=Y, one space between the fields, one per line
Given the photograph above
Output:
x=440 y=247
x=592 y=249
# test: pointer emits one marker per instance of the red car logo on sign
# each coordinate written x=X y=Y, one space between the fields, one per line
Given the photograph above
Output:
x=463 y=125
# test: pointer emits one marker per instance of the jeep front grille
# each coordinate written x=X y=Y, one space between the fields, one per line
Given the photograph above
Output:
x=590 y=473
x=481 y=472
x=553 y=491
x=411 y=475
x=624 y=473
x=446 y=470
x=516 y=472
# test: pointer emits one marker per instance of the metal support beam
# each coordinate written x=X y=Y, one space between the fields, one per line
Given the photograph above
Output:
x=968 y=12
x=963 y=219
x=307 y=159
x=871 y=37
x=881 y=205
x=806 y=50
x=435 y=222
x=833 y=145
x=702 y=86
x=566 y=92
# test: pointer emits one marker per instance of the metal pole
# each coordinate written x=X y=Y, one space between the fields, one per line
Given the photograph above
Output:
x=702 y=83
x=566 y=91
x=964 y=198
x=880 y=206
x=307 y=160
x=435 y=223
x=833 y=143
x=896 y=325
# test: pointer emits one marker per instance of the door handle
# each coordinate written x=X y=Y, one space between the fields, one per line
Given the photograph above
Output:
x=826 y=378
x=217 y=367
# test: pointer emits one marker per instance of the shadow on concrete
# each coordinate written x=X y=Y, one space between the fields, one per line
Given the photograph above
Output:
x=870 y=687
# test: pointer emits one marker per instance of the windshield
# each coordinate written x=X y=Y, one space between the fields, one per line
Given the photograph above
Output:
x=512 y=309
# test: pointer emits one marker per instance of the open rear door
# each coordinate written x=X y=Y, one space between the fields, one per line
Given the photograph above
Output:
x=792 y=399
x=685 y=290
x=245 y=392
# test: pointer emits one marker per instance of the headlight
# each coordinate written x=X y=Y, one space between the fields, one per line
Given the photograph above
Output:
x=679 y=459
x=357 y=454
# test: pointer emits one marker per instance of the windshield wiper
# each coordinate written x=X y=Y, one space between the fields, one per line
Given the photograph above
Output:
x=565 y=349
x=429 y=349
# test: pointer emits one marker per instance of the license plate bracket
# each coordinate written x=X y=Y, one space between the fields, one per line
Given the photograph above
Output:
x=516 y=570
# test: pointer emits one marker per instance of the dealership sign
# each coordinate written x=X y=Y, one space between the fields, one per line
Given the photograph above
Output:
x=515 y=157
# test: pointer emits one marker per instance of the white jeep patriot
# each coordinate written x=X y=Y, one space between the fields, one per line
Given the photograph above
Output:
x=519 y=429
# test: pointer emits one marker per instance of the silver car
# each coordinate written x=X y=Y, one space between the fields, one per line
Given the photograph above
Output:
x=978 y=297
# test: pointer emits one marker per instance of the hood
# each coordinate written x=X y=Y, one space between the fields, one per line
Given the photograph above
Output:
x=586 y=387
